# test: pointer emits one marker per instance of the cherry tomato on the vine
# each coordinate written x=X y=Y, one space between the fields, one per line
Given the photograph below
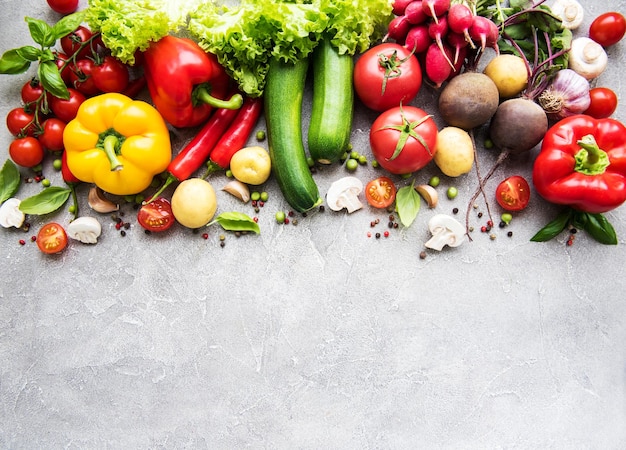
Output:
x=386 y=75
x=81 y=77
x=26 y=151
x=66 y=109
x=21 y=122
x=52 y=238
x=111 y=75
x=603 y=103
x=513 y=193
x=63 y=6
x=608 y=28
x=380 y=192
x=72 y=42
x=64 y=69
x=52 y=136
x=157 y=215
x=31 y=91
x=403 y=139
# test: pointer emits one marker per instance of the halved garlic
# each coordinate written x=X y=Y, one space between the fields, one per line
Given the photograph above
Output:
x=85 y=229
x=238 y=189
x=428 y=193
x=99 y=203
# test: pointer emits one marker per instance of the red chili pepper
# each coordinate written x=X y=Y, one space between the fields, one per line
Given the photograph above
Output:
x=185 y=82
x=238 y=133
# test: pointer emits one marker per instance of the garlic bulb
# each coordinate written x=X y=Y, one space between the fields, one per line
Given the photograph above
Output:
x=567 y=94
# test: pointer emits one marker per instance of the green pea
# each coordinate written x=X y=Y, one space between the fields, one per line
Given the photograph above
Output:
x=280 y=217
x=488 y=143
x=506 y=218
x=452 y=192
x=362 y=160
x=264 y=196
x=229 y=173
x=375 y=164
x=354 y=155
x=72 y=209
x=434 y=181
x=45 y=182
x=260 y=135
x=310 y=162
x=57 y=164
x=352 y=164
x=255 y=196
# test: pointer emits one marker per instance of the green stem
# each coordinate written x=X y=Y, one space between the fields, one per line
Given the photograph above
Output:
x=591 y=159
x=170 y=179
x=211 y=167
x=202 y=94
x=109 y=146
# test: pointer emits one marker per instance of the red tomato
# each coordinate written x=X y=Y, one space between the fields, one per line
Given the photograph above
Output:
x=31 y=91
x=63 y=6
x=111 y=75
x=66 y=109
x=386 y=75
x=26 y=151
x=608 y=28
x=398 y=124
x=52 y=238
x=71 y=43
x=60 y=60
x=52 y=137
x=380 y=192
x=156 y=215
x=81 y=77
x=21 y=123
x=603 y=103
x=513 y=193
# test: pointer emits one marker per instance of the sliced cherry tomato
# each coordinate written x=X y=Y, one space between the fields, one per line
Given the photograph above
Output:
x=403 y=139
x=72 y=42
x=513 y=194
x=31 y=91
x=52 y=136
x=608 y=28
x=66 y=109
x=81 y=77
x=63 y=6
x=603 y=103
x=26 y=151
x=52 y=238
x=20 y=122
x=380 y=192
x=111 y=75
x=157 y=215
x=386 y=75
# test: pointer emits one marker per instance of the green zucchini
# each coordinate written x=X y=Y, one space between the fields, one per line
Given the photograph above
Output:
x=282 y=97
x=332 y=105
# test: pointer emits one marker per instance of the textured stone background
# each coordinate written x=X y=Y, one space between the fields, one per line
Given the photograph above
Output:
x=313 y=336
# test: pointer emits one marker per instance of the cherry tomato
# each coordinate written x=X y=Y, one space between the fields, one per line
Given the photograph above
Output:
x=380 y=192
x=513 y=193
x=63 y=6
x=26 y=151
x=71 y=43
x=21 y=123
x=156 y=215
x=81 y=77
x=52 y=136
x=603 y=103
x=31 y=91
x=64 y=69
x=111 y=75
x=51 y=238
x=608 y=28
x=66 y=109
x=408 y=123
x=386 y=75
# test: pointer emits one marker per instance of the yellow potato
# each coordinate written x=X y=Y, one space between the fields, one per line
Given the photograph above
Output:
x=251 y=165
x=509 y=74
x=454 y=153
x=194 y=203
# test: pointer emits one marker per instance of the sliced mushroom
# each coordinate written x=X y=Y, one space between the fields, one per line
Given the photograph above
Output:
x=85 y=229
x=344 y=193
x=99 y=203
x=445 y=231
x=428 y=193
x=238 y=189
x=10 y=214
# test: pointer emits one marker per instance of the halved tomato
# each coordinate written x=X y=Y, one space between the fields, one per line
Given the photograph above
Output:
x=52 y=238
x=157 y=215
x=380 y=192
x=513 y=193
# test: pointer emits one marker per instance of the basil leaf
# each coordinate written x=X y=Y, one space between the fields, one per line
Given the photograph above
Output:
x=51 y=80
x=67 y=24
x=41 y=32
x=29 y=53
x=554 y=228
x=9 y=180
x=236 y=221
x=408 y=204
x=13 y=63
x=600 y=229
x=47 y=201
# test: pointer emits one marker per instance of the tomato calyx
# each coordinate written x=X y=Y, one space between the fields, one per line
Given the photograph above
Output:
x=392 y=65
x=407 y=130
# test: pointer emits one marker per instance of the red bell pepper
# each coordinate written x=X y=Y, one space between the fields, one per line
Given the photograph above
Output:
x=582 y=164
x=186 y=83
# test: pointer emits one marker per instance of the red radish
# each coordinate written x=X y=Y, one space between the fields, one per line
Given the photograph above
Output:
x=437 y=64
x=417 y=39
x=458 y=64
x=486 y=32
x=437 y=31
x=398 y=7
x=397 y=29
x=460 y=19
x=458 y=42
x=435 y=8
x=414 y=12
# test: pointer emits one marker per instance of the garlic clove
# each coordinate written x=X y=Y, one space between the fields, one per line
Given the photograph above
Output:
x=85 y=229
x=99 y=203
x=428 y=193
x=238 y=189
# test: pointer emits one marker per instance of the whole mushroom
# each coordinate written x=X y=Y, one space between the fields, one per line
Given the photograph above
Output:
x=445 y=230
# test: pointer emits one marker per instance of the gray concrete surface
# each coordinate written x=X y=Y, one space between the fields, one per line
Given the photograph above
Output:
x=312 y=335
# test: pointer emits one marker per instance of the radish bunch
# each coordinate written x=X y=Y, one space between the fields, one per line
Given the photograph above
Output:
x=444 y=36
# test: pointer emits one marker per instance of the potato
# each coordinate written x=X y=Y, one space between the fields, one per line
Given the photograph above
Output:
x=509 y=74
x=468 y=100
x=194 y=203
x=454 y=154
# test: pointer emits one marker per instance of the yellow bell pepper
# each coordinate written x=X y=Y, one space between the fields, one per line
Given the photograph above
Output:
x=117 y=143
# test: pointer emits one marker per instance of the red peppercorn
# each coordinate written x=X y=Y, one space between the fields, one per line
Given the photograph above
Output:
x=22 y=242
x=205 y=235
x=386 y=233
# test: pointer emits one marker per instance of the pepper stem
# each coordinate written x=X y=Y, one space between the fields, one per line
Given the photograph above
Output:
x=109 y=146
x=169 y=180
x=202 y=94
x=590 y=159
